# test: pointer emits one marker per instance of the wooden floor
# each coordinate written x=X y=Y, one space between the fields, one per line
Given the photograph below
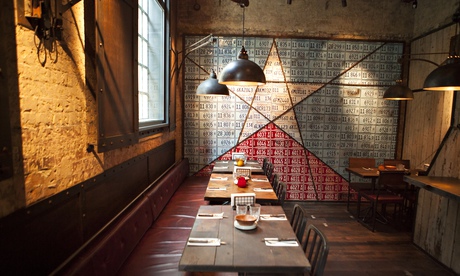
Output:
x=354 y=249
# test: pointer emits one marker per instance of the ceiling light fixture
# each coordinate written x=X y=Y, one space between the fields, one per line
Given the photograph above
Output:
x=212 y=87
x=447 y=76
x=398 y=92
x=242 y=71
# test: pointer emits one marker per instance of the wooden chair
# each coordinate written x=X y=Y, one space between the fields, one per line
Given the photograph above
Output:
x=298 y=221
x=354 y=162
x=316 y=248
x=395 y=162
x=383 y=195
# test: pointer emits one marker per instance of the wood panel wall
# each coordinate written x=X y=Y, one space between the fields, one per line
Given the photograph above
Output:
x=437 y=228
x=428 y=116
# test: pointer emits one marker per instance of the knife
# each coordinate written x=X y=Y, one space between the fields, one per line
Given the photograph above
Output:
x=279 y=239
x=199 y=241
x=274 y=215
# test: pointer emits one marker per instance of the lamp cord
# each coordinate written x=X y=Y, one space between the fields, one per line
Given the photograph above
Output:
x=243 y=25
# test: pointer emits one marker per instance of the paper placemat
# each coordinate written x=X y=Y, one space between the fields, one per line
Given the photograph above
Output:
x=259 y=180
x=272 y=217
x=217 y=188
x=281 y=243
x=218 y=178
x=263 y=190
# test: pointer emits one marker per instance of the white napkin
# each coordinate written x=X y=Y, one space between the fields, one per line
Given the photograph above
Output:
x=259 y=180
x=218 y=178
x=217 y=188
x=277 y=242
x=262 y=190
x=220 y=167
x=203 y=242
x=210 y=216
x=272 y=217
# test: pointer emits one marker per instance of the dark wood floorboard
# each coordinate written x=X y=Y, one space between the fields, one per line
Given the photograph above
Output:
x=354 y=249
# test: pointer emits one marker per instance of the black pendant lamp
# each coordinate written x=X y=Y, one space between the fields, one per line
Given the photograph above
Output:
x=242 y=71
x=398 y=92
x=212 y=87
x=445 y=77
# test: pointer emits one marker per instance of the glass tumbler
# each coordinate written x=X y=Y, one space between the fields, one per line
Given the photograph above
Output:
x=254 y=210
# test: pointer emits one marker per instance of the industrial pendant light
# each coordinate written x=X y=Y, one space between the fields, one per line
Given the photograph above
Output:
x=447 y=77
x=212 y=87
x=242 y=71
x=398 y=92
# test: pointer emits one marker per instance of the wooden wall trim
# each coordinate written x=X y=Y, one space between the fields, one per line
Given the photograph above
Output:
x=36 y=239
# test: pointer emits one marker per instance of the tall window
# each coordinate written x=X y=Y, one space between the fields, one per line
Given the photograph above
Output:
x=152 y=64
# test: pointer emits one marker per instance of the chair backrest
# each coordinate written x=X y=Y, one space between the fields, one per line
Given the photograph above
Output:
x=355 y=162
x=298 y=221
x=264 y=164
x=316 y=248
x=281 y=192
x=392 y=181
x=242 y=199
x=269 y=171
x=275 y=181
x=394 y=162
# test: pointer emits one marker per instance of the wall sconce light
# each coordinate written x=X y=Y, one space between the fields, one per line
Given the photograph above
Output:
x=242 y=71
x=47 y=25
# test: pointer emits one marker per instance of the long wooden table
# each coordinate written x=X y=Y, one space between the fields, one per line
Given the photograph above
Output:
x=221 y=186
x=226 y=166
x=244 y=250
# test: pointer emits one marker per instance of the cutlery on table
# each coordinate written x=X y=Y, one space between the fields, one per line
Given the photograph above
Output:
x=280 y=239
x=211 y=215
x=274 y=215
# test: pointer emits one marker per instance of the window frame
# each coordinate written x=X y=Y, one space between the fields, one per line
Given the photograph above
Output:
x=154 y=126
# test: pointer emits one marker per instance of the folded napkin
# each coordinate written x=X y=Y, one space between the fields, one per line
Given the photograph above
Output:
x=203 y=242
x=217 y=188
x=263 y=190
x=259 y=180
x=273 y=217
x=280 y=242
x=218 y=178
x=210 y=216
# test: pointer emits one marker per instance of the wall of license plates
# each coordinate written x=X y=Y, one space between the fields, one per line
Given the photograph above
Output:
x=321 y=105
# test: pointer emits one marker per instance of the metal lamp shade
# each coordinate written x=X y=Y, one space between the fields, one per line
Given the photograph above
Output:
x=242 y=72
x=445 y=77
x=398 y=92
x=212 y=87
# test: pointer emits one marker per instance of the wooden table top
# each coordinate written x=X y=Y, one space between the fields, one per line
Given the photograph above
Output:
x=216 y=182
x=445 y=186
x=364 y=172
x=226 y=166
x=244 y=250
